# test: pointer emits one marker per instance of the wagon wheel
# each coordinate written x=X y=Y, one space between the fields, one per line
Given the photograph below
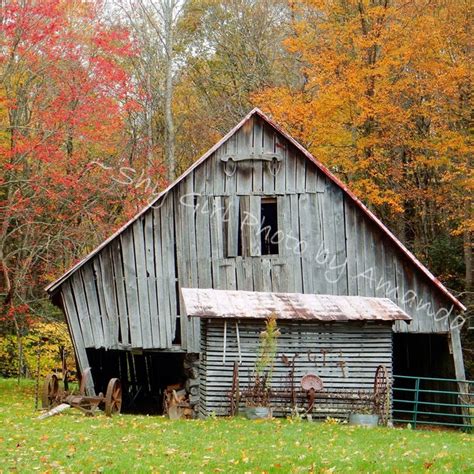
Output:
x=113 y=397
x=50 y=391
x=380 y=392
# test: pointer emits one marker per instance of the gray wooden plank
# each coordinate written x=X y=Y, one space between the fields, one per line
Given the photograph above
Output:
x=203 y=243
x=300 y=171
x=130 y=274
x=168 y=297
x=106 y=301
x=340 y=241
x=72 y=319
x=109 y=288
x=361 y=257
x=232 y=169
x=116 y=256
x=268 y=171
x=244 y=172
x=217 y=238
x=245 y=224
x=92 y=301
x=294 y=244
x=280 y=275
x=257 y=274
x=266 y=274
x=191 y=266
x=311 y=178
x=307 y=242
x=284 y=224
x=370 y=258
x=232 y=227
x=152 y=280
x=77 y=289
x=351 y=247
x=182 y=254
x=209 y=174
x=329 y=238
x=257 y=184
x=164 y=249
x=290 y=170
x=280 y=177
x=254 y=222
x=399 y=284
x=320 y=254
x=219 y=170
x=142 y=283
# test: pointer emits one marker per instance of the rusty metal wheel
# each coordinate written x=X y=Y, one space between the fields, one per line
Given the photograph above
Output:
x=380 y=380
x=381 y=393
x=50 y=392
x=113 y=397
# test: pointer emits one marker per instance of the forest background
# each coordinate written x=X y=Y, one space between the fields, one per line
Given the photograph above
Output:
x=103 y=103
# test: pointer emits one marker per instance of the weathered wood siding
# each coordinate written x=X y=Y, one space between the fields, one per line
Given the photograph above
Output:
x=344 y=355
x=127 y=296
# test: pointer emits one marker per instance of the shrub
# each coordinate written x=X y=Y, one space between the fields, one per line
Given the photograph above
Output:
x=50 y=338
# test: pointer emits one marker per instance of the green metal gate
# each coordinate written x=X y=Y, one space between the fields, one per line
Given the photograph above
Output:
x=449 y=403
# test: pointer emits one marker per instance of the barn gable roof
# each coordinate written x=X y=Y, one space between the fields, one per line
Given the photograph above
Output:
x=52 y=287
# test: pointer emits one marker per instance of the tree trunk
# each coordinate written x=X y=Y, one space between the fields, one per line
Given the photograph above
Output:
x=168 y=7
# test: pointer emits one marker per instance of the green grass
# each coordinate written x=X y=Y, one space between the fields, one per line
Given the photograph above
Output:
x=71 y=442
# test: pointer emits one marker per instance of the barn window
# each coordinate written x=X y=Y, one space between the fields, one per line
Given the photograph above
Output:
x=269 y=226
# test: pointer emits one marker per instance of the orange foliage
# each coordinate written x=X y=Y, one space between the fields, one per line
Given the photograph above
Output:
x=384 y=98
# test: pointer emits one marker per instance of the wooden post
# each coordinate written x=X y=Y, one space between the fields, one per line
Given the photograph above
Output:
x=455 y=334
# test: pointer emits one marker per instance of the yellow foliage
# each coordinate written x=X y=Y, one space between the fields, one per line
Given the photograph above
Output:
x=47 y=338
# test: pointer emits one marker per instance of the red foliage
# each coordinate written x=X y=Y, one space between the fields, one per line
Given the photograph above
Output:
x=64 y=98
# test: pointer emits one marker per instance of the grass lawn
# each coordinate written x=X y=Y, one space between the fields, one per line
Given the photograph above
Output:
x=71 y=442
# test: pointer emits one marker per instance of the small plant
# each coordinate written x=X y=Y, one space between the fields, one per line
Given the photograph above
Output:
x=259 y=390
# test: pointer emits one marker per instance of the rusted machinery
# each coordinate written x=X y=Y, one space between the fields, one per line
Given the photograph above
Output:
x=53 y=396
x=311 y=391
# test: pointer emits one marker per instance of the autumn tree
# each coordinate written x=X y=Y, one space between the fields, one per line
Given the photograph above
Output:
x=154 y=25
x=235 y=50
x=63 y=95
x=384 y=100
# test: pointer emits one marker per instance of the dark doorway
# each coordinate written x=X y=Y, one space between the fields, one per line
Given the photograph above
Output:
x=423 y=355
x=144 y=376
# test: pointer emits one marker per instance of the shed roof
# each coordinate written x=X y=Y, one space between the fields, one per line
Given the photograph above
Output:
x=209 y=303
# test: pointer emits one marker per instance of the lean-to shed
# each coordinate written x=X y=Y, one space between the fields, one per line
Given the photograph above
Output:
x=341 y=338
x=256 y=213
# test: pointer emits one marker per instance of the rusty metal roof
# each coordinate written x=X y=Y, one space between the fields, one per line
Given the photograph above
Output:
x=52 y=287
x=209 y=303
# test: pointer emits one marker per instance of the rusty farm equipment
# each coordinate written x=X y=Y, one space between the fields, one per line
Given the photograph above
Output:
x=55 y=399
x=311 y=392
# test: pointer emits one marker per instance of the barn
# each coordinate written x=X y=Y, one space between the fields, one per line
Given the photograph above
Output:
x=255 y=215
